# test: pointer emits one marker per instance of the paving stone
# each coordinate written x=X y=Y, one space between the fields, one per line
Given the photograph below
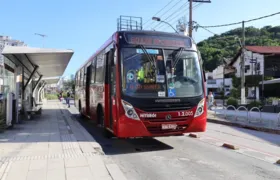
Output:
x=37 y=174
x=76 y=173
x=75 y=162
x=56 y=174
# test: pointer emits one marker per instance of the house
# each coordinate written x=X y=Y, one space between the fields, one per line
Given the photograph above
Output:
x=218 y=81
x=261 y=62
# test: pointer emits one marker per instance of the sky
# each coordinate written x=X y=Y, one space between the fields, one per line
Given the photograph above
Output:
x=85 y=25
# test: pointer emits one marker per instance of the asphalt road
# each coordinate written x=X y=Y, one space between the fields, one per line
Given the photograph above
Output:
x=182 y=157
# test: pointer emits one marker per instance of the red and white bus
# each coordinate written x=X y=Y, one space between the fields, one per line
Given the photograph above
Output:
x=144 y=83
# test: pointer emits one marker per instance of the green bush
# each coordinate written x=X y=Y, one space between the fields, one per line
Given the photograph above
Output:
x=51 y=96
x=269 y=100
x=232 y=101
x=254 y=104
x=235 y=92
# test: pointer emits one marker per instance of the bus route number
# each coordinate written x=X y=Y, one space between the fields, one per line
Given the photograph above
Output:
x=185 y=113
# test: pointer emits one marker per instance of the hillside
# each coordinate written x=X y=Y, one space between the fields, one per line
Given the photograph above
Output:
x=226 y=45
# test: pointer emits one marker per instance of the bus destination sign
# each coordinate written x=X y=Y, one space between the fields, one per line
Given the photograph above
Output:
x=159 y=41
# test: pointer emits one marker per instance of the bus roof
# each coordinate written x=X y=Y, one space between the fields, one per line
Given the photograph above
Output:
x=113 y=37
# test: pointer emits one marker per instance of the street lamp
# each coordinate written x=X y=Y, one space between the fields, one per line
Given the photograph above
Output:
x=42 y=35
x=159 y=20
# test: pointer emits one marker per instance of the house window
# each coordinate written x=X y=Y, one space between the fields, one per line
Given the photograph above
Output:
x=247 y=67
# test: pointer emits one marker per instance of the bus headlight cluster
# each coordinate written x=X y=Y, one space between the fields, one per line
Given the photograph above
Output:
x=200 y=108
x=129 y=111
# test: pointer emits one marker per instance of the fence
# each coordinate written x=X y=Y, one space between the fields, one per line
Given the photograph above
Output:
x=236 y=114
x=278 y=117
x=241 y=115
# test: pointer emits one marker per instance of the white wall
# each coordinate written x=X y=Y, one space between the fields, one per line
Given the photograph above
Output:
x=218 y=72
x=218 y=84
x=248 y=56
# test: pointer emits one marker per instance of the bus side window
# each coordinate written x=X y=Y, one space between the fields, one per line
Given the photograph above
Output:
x=99 y=72
x=85 y=76
x=81 y=77
x=93 y=71
x=113 y=70
x=78 y=79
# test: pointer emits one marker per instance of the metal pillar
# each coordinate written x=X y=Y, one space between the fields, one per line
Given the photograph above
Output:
x=243 y=101
x=37 y=83
x=31 y=76
x=190 y=18
x=41 y=91
x=35 y=86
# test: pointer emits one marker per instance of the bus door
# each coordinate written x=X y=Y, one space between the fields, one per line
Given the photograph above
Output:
x=111 y=80
x=88 y=80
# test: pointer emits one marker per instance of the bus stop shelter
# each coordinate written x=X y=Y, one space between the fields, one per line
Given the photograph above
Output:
x=34 y=67
x=40 y=91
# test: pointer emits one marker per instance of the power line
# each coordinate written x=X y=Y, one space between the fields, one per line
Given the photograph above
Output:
x=263 y=17
x=197 y=25
x=183 y=7
x=167 y=11
x=231 y=24
x=177 y=16
x=159 y=11
x=173 y=20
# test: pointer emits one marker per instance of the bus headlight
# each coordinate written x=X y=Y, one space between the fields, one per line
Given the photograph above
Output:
x=200 y=108
x=129 y=111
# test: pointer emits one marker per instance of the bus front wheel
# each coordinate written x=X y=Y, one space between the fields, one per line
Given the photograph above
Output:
x=101 y=123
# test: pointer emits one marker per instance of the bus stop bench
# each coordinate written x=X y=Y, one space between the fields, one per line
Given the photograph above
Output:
x=33 y=111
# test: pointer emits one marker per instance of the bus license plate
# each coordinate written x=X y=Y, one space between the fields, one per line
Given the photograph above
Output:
x=168 y=126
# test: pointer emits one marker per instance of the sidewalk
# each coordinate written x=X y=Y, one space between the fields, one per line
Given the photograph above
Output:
x=53 y=147
x=267 y=122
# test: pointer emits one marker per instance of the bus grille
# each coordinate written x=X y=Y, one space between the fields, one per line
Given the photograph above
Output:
x=158 y=130
x=174 y=119
x=166 y=107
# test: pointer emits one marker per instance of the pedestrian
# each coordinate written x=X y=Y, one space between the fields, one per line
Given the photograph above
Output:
x=210 y=100
x=60 y=96
x=68 y=99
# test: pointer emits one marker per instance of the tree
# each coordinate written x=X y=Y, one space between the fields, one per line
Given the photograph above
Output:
x=69 y=85
x=225 y=45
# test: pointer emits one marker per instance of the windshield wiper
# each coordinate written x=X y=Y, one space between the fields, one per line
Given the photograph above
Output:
x=177 y=57
x=152 y=60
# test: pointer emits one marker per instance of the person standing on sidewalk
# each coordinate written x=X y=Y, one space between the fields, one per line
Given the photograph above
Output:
x=210 y=100
x=60 y=96
x=68 y=99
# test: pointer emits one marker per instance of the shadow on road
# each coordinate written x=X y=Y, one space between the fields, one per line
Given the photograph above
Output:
x=116 y=146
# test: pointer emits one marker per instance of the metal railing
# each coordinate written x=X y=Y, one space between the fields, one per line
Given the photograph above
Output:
x=278 y=117
x=238 y=109
x=250 y=112
x=249 y=116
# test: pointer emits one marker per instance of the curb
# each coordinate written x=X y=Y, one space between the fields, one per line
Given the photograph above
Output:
x=115 y=172
x=230 y=146
x=193 y=135
x=262 y=129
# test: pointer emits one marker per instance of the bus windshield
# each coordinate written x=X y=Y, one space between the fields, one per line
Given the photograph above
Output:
x=160 y=73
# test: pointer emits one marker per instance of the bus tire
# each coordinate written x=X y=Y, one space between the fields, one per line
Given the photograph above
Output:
x=100 y=116
x=100 y=122
x=107 y=134
x=80 y=111
x=80 y=107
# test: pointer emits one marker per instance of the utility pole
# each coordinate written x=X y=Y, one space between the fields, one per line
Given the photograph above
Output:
x=243 y=65
x=190 y=18
x=253 y=61
x=42 y=35
x=191 y=13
